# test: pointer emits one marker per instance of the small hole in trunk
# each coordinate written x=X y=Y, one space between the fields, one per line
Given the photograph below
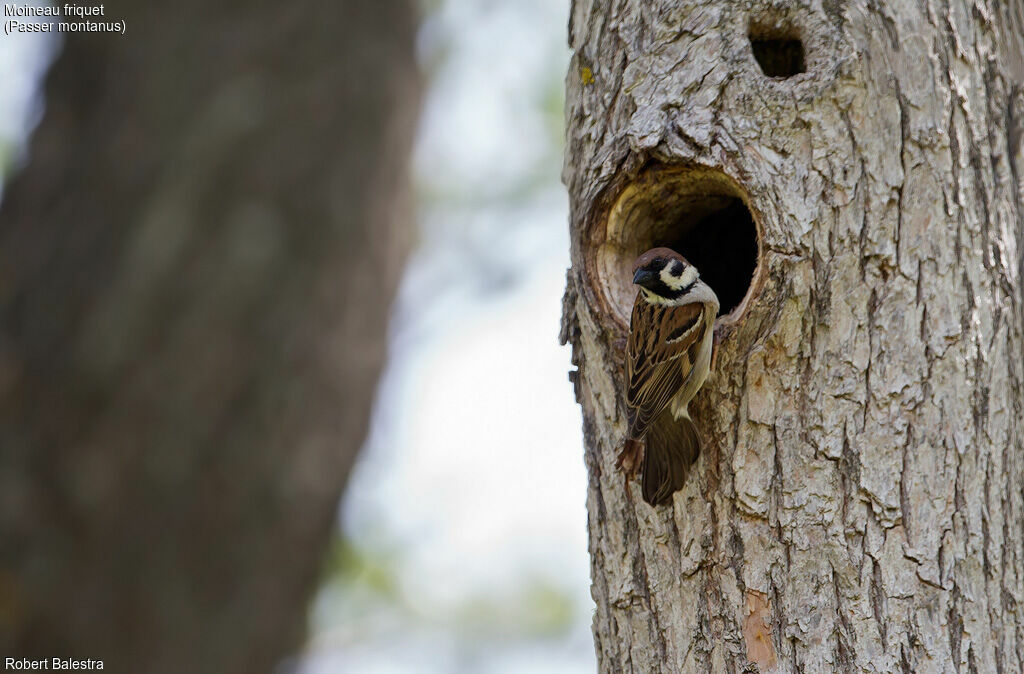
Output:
x=780 y=53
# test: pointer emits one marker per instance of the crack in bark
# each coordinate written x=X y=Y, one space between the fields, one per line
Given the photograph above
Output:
x=877 y=601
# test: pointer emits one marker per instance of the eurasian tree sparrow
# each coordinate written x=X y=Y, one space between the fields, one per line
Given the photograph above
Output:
x=668 y=357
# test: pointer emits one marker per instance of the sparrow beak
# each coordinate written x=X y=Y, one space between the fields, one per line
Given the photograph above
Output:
x=645 y=278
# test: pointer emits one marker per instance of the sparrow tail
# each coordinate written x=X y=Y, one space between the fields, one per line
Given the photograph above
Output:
x=672 y=447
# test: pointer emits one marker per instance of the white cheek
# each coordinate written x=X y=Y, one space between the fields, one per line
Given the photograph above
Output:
x=688 y=277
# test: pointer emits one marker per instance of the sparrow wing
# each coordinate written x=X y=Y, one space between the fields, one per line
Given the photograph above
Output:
x=663 y=345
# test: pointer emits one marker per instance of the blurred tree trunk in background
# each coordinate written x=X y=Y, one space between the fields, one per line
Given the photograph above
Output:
x=195 y=273
x=858 y=504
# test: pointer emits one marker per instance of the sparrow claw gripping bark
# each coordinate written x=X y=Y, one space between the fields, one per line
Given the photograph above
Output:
x=630 y=457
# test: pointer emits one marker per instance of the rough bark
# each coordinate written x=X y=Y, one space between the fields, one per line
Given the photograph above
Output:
x=195 y=272
x=859 y=505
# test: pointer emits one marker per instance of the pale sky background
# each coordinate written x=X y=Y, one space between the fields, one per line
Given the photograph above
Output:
x=466 y=515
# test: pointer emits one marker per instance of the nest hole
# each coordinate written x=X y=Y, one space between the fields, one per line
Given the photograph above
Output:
x=699 y=213
x=778 y=50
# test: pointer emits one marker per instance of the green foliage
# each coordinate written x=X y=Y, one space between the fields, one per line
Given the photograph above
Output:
x=365 y=599
x=6 y=159
x=372 y=571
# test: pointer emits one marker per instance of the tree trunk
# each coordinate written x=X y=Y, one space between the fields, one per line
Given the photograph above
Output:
x=195 y=273
x=848 y=178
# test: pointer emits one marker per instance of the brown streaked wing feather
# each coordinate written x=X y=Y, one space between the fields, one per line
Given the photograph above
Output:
x=658 y=358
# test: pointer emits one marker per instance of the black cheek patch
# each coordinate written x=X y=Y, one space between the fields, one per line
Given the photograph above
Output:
x=676 y=269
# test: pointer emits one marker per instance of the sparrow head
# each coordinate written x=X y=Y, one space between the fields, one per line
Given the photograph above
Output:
x=665 y=274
